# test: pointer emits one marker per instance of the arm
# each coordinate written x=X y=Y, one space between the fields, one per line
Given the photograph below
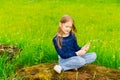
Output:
x=76 y=46
x=79 y=50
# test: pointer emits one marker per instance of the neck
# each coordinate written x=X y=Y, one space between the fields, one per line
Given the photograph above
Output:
x=63 y=35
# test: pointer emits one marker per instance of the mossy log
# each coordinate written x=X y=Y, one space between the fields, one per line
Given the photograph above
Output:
x=87 y=72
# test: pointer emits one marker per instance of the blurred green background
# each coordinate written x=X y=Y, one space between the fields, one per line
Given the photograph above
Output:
x=31 y=25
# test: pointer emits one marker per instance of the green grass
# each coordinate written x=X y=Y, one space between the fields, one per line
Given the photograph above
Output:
x=31 y=25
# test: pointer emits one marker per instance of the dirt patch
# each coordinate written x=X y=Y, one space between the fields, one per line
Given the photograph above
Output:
x=87 y=72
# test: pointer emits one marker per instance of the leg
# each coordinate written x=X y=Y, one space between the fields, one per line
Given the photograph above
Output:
x=90 y=57
x=72 y=63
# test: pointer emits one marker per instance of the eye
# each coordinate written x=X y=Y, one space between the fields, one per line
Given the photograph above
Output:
x=68 y=26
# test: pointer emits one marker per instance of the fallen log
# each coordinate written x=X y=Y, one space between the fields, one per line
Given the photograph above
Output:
x=87 y=72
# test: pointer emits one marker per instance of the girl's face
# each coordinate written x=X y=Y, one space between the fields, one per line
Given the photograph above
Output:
x=66 y=27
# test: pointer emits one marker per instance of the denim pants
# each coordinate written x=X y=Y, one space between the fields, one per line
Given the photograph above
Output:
x=77 y=61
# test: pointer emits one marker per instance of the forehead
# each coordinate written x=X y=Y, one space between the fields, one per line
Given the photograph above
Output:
x=69 y=23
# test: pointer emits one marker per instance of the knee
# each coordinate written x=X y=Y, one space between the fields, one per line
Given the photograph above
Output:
x=93 y=55
x=81 y=61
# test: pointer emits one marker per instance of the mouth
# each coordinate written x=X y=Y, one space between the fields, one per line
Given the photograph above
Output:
x=67 y=32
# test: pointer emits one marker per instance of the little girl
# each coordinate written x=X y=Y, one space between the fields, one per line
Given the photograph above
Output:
x=70 y=55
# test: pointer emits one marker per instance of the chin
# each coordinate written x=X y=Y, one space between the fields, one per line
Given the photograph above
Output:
x=67 y=32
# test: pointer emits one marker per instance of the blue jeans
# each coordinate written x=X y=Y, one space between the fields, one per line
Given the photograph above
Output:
x=77 y=61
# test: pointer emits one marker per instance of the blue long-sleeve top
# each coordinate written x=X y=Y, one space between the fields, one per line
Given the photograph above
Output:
x=68 y=48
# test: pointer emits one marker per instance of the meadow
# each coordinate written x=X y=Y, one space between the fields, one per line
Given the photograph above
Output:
x=31 y=25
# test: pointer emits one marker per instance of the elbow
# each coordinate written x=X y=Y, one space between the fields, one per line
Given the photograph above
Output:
x=63 y=56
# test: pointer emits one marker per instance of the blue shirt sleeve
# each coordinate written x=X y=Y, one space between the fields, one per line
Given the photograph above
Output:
x=63 y=52
x=77 y=47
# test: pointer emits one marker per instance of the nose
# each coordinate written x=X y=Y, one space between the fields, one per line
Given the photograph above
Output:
x=69 y=29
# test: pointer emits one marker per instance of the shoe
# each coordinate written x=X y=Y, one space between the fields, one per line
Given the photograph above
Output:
x=76 y=69
x=58 y=68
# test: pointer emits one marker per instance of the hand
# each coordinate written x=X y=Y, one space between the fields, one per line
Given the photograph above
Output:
x=80 y=52
x=86 y=47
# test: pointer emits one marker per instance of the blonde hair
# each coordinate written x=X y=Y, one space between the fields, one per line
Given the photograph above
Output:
x=64 y=19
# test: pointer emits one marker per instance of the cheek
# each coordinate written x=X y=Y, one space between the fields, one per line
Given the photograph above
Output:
x=70 y=29
x=63 y=28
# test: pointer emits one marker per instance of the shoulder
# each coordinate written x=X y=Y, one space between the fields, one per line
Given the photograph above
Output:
x=73 y=35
